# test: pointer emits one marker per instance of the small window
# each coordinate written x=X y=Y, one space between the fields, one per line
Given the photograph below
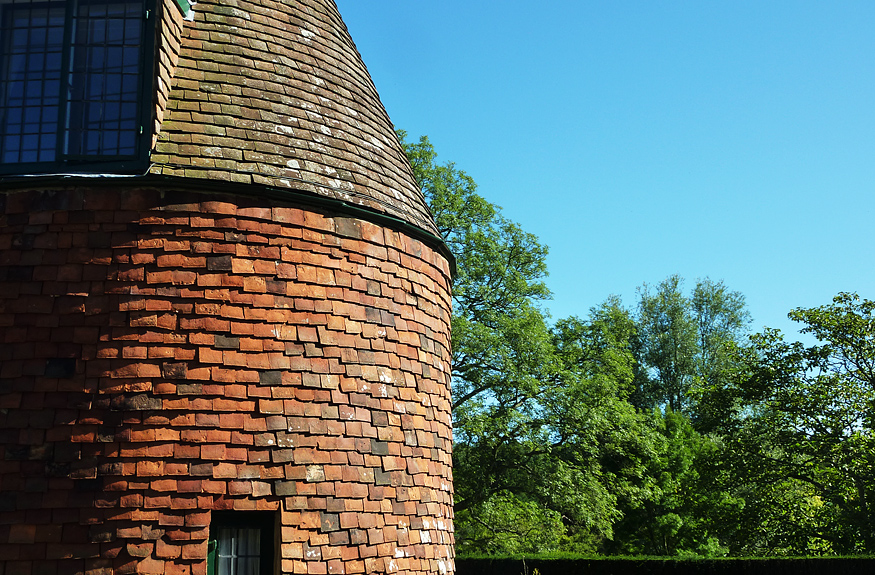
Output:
x=71 y=83
x=241 y=543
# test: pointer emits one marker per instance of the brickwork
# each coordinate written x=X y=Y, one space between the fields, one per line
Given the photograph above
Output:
x=258 y=325
x=166 y=354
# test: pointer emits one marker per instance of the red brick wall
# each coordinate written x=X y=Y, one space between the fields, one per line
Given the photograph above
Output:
x=167 y=354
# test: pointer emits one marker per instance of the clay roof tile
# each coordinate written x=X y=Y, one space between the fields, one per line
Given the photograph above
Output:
x=277 y=92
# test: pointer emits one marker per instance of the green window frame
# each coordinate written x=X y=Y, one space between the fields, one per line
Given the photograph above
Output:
x=241 y=543
x=75 y=86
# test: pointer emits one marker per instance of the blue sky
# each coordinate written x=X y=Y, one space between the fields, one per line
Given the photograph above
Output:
x=732 y=139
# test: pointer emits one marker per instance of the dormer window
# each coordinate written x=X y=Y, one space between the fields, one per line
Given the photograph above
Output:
x=72 y=85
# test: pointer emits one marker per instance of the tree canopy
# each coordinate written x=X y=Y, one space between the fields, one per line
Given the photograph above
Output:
x=661 y=429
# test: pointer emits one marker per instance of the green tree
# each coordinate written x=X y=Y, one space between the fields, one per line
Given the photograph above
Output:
x=550 y=453
x=545 y=441
x=595 y=429
x=803 y=417
x=686 y=343
x=572 y=451
x=508 y=524
x=722 y=322
x=500 y=334
x=504 y=360
x=678 y=514
x=669 y=344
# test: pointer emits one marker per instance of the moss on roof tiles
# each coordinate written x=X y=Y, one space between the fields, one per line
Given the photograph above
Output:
x=282 y=82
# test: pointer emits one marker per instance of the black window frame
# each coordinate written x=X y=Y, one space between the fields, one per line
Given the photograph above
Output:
x=134 y=163
x=265 y=521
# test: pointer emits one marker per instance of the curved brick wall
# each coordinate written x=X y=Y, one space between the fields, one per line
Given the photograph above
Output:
x=166 y=355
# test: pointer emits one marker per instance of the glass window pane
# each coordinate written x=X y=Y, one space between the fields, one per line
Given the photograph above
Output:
x=225 y=542
x=238 y=551
x=32 y=116
x=38 y=36
x=18 y=38
x=249 y=542
x=113 y=30
x=97 y=56
x=248 y=566
x=85 y=108
x=34 y=91
x=17 y=66
x=130 y=59
x=47 y=152
x=28 y=51
x=53 y=63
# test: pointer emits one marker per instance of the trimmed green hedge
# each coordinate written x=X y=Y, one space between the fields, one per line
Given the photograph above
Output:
x=627 y=566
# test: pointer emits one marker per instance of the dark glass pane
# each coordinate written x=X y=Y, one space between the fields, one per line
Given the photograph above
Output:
x=34 y=91
x=94 y=113
x=12 y=119
x=53 y=63
x=113 y=86
x=35 y=62
x=17 y=64
x=114 y=30
x=52 y=91
x=131 y=29
x=127 y=142
x=129 y=113
x=130 y=87
x=98 y=58
x=38 y=36
x=110 y=138
x=92 y=140
x=19 y=38
x=15 y=89
x=131 y=59
x=50 y=116
x=29 y=66
x=11 y=143
x=47 y=153
x=239 y=551
x=30 y=142
x=94 y=90
x=94 y=108
x=98 y=10
x=97 y=30
x=32 y=116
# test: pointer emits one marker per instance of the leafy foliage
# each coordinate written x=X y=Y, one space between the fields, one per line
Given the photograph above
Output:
x=686 y=343
x=654 y=431
x=806 y=414
x=507 y=524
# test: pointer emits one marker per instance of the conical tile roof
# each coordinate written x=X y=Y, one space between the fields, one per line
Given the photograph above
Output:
x=274 y=92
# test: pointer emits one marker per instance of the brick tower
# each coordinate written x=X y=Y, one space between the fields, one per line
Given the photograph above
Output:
x=224 y=305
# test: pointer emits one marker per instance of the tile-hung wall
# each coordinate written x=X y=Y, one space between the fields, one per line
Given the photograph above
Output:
x=230 y=353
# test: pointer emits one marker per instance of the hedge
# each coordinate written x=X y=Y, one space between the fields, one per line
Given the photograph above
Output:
x=628 y=566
